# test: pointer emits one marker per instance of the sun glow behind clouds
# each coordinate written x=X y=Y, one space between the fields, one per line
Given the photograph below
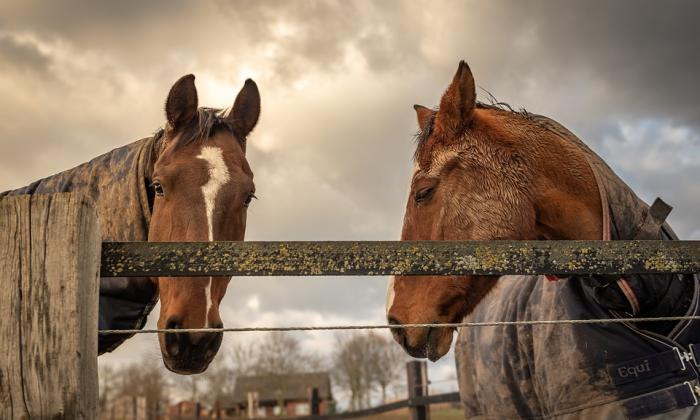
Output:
x=253 y=303
x=215 y=92
x=283 y=29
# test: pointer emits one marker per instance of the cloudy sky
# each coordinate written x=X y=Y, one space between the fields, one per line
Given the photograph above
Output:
x=332 y=151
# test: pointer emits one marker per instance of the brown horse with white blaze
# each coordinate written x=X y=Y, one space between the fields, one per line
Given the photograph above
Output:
x=203 y=186
x=190 y=181
x=483 y=172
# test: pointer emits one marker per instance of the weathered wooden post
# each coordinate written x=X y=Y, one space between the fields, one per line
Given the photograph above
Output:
x=49 y=265
x=217 y=409
x=141 y=413
x=314 y=402
x=252 y=405
x=417 y=375
x=197 y=409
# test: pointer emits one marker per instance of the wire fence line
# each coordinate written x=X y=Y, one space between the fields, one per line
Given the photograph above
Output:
x=405 y=326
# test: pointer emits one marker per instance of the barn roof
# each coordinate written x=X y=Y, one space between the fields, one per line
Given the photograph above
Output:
x=288 y=387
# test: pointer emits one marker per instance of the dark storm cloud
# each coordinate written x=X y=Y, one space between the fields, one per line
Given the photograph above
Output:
x=90 y=23
x=643 y=53
x=319 y=35
x=639 y=54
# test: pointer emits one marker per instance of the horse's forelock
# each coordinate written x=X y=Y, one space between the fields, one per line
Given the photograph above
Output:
x=208 y=122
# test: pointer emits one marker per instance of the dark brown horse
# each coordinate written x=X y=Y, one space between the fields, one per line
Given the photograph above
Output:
x=189 y=182
x=487 y=173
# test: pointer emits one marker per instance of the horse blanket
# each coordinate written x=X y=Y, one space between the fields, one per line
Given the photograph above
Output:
x=117 y=182
x=596 y=371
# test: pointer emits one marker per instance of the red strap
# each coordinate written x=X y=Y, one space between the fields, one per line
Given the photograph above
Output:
x=551 y=277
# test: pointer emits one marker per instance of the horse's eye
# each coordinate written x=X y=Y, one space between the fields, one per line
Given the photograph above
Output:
x=158 y=189
x=424 y=195
x=249 y=199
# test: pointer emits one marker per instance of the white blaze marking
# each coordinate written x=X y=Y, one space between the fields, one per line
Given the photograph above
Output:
x=390 y=295
x=218 y=176
x=440 y=159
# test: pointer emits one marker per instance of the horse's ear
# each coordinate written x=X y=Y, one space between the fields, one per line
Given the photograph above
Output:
x=246 y=109
x=458 y=102
x=423 y=115
x=181 y=105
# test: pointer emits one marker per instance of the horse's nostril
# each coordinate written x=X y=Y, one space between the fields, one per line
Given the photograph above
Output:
x=218 y=325
x=172 y=344
x=432 y=336
x=172 y=340
x=172 y=323
x=398 y=333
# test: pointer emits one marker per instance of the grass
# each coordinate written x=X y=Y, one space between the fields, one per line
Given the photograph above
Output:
x=439 y=412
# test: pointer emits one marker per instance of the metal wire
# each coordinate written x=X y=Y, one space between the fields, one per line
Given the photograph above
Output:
x=404 y=326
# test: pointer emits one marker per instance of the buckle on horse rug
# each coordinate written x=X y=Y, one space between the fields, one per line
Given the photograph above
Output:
x=673 y=398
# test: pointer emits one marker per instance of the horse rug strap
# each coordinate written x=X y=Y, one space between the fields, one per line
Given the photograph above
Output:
x=663 y=401
x=670 y=361
x=655 y=218
x=673 y=360
x=676 y=397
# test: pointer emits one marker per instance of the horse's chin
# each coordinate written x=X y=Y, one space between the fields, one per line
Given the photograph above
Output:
x=439 y=346
x=185 y=367
x=436 y=345
x=435 y=353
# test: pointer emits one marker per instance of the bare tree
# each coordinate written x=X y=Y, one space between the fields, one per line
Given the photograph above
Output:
x=352 y=360
x=107 y=377
x=279 y=354
x=219 y=379
x=191 y=385
x=364 y=361
x=141 y=379
x=153 y=385
x=387 y=362
x=242 y=359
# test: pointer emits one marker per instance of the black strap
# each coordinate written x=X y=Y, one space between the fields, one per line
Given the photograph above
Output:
x=647 y=367
x=662 y=401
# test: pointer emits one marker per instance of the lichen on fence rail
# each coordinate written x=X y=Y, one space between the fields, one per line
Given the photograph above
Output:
x=122 y=259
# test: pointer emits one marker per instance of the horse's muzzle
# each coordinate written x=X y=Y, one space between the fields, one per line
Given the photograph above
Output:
x=189 y=353
x=422 y=342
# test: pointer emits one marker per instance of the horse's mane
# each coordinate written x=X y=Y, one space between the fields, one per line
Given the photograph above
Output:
x=209 y=121
x=421 y=137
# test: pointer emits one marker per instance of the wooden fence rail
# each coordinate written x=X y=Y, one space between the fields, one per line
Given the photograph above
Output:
x=398 y=257
x=49 y=259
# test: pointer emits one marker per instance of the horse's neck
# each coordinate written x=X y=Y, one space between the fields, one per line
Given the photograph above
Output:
x=567 y=198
